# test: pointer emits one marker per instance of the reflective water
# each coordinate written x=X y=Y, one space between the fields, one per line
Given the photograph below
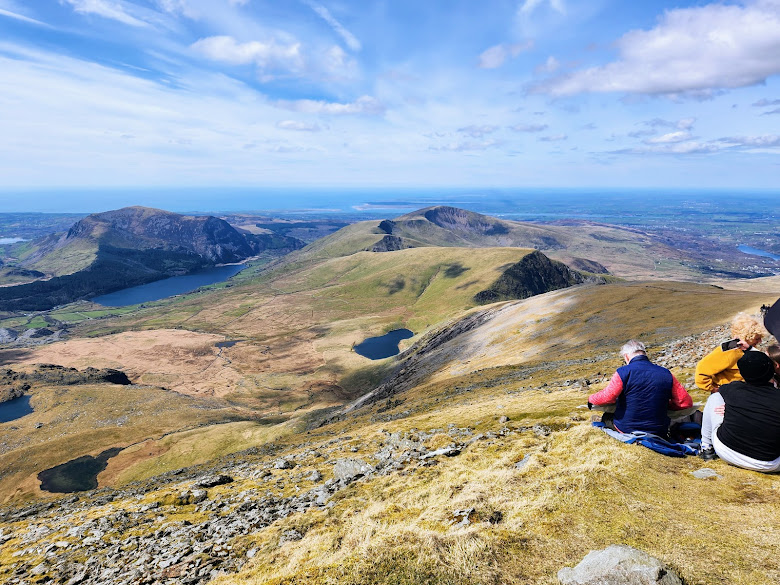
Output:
x=757 y=252
x=16 y=408
x=77 y=475
x=161 y=289
x=384 y=346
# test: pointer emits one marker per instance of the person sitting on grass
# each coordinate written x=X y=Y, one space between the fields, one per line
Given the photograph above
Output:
x=642 y=392
x=720 y=365
x=748 y=433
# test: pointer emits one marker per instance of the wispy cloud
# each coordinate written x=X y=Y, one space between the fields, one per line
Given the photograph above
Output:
x=529 y=6
x=553 y=138
x=23 y=18
x=465 y=146
x=363 y=105
x=529 y=127
x=670 y=138
x=496 y=56
x=111 y=9
x=350 y=39
x=697 y=49
x=297 y=126
x=763 y=103
x=771 y=112
x=478 y=131
x=268 y=54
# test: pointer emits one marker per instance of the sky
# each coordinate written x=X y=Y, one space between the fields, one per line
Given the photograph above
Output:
x=389 y=93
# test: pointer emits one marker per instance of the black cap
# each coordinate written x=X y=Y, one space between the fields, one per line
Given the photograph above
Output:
x=756 y=367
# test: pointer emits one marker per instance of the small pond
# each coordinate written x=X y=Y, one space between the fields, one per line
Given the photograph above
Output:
x=384 y=346
x=757 y=252
x=226 y=344
x=16 y=408
x=4 y=241
x=77 y=475
x=161 y=289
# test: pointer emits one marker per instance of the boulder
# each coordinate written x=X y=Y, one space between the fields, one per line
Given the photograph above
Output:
x=351 y=469
x=213 y=480
x=619 y=565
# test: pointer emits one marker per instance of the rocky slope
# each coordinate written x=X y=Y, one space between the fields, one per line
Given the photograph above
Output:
x=237 y=514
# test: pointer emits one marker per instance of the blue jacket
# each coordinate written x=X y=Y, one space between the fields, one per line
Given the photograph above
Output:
x=643 y=403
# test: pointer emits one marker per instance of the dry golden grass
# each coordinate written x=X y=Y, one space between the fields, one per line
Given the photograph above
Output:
x=579 y=491
x=85 y=420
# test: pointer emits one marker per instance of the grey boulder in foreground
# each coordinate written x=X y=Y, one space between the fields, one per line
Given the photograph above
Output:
x=619 y=565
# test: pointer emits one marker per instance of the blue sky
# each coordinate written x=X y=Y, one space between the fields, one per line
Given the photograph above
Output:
x=429 y=93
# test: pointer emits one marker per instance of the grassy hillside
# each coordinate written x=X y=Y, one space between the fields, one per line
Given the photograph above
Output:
x=625 y=252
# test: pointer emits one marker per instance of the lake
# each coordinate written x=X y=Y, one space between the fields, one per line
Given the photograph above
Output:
x=16 y=408
x=77 y=475
x=4 y=241
x=384 y=346
x=757 y=252
x=167 y=287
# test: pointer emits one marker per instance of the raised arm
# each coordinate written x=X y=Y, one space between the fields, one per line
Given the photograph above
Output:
x=713 y=363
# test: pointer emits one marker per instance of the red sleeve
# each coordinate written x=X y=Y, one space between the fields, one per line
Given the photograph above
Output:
x=608 y=395
x=680 y=398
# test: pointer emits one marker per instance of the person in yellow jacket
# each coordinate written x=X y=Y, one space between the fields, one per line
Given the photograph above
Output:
x=720 y=365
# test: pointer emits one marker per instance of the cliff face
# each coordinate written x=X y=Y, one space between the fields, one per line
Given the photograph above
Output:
x=535 y=274
x=140 y=228
x=105 y=252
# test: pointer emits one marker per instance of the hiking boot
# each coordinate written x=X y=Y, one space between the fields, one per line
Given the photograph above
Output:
x=708 y=453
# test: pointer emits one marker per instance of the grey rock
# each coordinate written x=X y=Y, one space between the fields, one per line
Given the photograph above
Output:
x=8 y=335
x=706 y=473
x=290 y=536
x=314 y=476
x=198 y=496
x=446 y=451
x=619 y=565
x=523 y=462
x=213 y=480
x=348 y=470
x=503 y=419
x=284 y=464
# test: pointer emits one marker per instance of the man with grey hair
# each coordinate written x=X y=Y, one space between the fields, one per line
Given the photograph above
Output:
x=642 y=392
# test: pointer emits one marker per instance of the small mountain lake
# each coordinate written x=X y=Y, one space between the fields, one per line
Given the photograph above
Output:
x=16 y=408
x=167 y=287
x=77 y=475
x=757 y=252
x=384 y=346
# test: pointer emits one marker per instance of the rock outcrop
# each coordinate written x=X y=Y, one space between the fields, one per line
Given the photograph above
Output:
x=535 y=274
x=619 y=565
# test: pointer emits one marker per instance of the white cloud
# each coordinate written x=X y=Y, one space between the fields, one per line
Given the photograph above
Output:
x=466 y=146
x=529 y=6
x=182 y=7
x=478 y=131
x=553 y=138
x=112 y=9
x=763 y=103
x=350 y=39
x=363 y=105
x=670 y=138
x=768 y=141
x=297 y=126
x=696 y=50
x=266 y=55
x=550 y=66
x=496 y=56
x=23 y=18
x=529 y=127
x=771 y=112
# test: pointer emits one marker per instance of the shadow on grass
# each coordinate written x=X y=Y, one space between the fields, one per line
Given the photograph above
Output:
x=11 y=356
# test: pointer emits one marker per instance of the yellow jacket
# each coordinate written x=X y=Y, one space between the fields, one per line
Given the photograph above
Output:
x=717 y=368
